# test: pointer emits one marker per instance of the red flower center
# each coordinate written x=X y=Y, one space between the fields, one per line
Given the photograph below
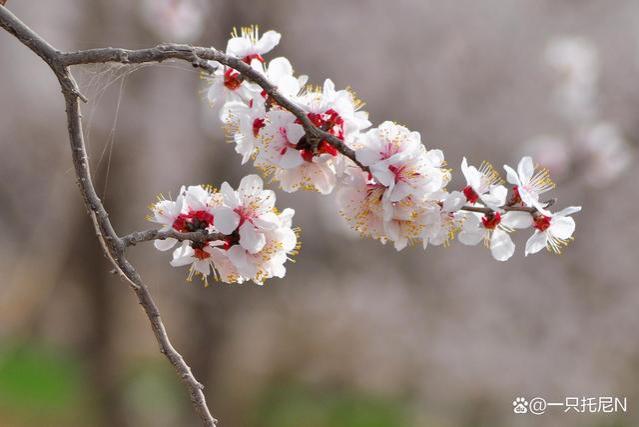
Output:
x=516 y=196
x=325 y=148
x=471 y=195
x=232 y=239
x=193 y=221
x=491 y=221
x=201 y=253
x=330 y=121
x=258 y=124
x=253 y=56
x=232 y=79
x=307 y=154
x=541 y=222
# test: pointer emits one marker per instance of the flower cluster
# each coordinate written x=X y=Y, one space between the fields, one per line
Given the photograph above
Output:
x=390 y=186
x=243 y=236
x=523 y=210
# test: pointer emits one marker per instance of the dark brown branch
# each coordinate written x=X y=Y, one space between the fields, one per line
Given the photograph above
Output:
x=148 y=235
x=113 y=246
x=197 y=55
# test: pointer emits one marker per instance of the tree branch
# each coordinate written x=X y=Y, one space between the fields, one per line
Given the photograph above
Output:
x=507 y=208
x=144 y=236
x=197 y=55
x=113 y=246
x=188 y=53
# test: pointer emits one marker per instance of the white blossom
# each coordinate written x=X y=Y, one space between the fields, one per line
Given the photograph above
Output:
x=248 y=45
x=529 y=183
x=398 y=160
x=553 y=231
x=483 y=184
x=493 y=229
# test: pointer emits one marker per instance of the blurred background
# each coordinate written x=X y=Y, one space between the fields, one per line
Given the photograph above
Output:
x=356 y=335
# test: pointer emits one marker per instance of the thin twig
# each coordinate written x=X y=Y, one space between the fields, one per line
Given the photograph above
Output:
x=113 y=246
x=507 y=208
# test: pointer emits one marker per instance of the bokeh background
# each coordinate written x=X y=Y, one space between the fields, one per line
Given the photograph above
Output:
x=356 y=335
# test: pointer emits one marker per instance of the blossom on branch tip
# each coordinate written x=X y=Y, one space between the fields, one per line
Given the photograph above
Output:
x=493 y=230
x=248 y=45
x=529 y=183
x=553 y=231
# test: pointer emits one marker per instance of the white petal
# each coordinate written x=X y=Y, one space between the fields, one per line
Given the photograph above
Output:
x=465 y=170
x=324 y=179
x=501 y=245
x=291 y=159
x=229 y=196
x=225 y=220
x=471 y=237
x=526 y=169
x=536 y=242
x=215 y=92
x=238 y=46
x=528 y=197
x=454 y=201
x=267 y=221
x=202 y=266
x=329 y=87
x=288 y=239
x=367 y=156
x=471 y=233
x=251 y=239
x=399 y=191
x=294 y=132
x=278 y=68
x=182 y=256
x=511 y=175
x=400 y=243
x=240 y=259
x=164 y=245
x=381 y=172
x=568 y=211
x=435 y=157
x=268 y=41
x=196 y=197
x=286 y=217
x=496 y=197
x=562 y=227
x=250 y=185
x=516 y=219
